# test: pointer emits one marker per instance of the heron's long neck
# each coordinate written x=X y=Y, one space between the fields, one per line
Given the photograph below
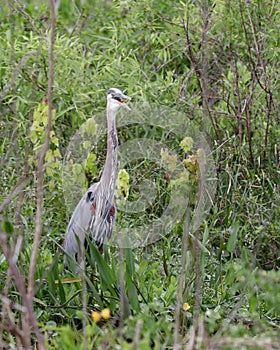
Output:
x=109 y=176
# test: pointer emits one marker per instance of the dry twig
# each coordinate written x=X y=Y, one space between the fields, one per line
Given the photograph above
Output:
x=14 y=193
x=40 y=171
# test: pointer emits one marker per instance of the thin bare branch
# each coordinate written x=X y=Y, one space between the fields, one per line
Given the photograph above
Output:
x=84 y=296
x=14 y=193
x=17 y=70
x=20 y=8
x=76 y=23
x=176 y=343
x=197 y=222
x=18 y=236
x=40 y=171
x=20 y=285
x=137 y=335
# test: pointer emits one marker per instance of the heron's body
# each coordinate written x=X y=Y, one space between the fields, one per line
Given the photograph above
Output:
x=95 y=214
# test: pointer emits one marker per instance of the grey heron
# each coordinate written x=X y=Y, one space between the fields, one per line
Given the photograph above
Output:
x=95 y=214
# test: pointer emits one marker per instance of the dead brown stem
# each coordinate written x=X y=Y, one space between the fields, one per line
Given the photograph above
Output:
x=14 y=193
x=17 y=71
x=20 y=9
x=27 y=303
x=40 y=171
x=176 y=343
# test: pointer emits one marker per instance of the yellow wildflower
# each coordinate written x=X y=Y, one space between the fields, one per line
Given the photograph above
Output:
x=105 y=313
x=96 y=316
x=186 y=306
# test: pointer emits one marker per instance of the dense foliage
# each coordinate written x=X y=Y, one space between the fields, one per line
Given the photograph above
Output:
x=216 y=63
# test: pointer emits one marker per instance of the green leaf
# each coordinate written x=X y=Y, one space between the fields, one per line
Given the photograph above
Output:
x=107 y=275
x=233 y=237
x=7 y=227
x=132 y=293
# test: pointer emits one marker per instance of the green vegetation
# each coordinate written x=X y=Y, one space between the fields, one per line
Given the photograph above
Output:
x=215 y=286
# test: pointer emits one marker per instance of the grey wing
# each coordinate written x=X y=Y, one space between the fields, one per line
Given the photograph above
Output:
x=103 y=221
x=79 y=223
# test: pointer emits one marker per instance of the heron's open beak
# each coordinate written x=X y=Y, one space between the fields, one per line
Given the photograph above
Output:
x=121 y=98
x=125 y=105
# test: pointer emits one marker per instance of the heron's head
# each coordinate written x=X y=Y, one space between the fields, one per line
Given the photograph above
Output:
x=116 y=98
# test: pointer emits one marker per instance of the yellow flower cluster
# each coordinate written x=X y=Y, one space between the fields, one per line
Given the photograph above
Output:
x=168 y=160
x=98 y=316
x=186 y=307
x=186 y=144
x=122 y=184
